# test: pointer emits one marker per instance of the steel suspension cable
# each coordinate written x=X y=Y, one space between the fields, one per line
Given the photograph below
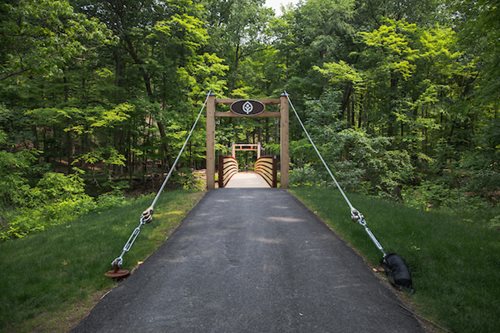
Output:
x=355 y=214
x=180 y=153
x=147 y=215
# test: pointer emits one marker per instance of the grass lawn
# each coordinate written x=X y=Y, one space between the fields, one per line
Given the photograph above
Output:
x=455 y=265
x=50 y=280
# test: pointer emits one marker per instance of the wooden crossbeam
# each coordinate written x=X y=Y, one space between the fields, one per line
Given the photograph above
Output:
x=265 y=114
x=229 y=101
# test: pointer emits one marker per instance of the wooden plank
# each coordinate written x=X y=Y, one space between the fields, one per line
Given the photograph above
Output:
x=284 y=155
x=229 y=101
x=265 y=114
x=210 y=171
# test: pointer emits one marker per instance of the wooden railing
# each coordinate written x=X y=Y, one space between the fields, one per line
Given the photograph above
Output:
x=267 y=168
x=228 y=167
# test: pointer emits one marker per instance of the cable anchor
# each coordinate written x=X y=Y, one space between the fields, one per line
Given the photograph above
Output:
x=117 y=272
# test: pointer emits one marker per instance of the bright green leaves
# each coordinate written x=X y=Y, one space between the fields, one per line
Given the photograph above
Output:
x=14 y=168
x=182 y=30
x=114 y=116
x=393 y=43
x=392 y=36
x=81 y=121
x=56 y=199
x=437 y=42
x=204 y=73
x=107 y=156
x=408 y=82
x=339 y=72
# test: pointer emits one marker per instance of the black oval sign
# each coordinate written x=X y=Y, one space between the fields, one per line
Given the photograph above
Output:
x=247 y=107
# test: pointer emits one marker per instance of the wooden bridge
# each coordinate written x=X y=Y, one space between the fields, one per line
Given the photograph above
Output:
x=264 y=174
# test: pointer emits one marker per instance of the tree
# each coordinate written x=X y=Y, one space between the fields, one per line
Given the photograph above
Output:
x=238 y=30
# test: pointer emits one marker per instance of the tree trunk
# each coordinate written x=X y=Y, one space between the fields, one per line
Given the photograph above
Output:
x=391 y=123
x=145 y=75
x=164 y=145
x=361 y=107
x=71 y=149
x=345 y=101
x=232 y=83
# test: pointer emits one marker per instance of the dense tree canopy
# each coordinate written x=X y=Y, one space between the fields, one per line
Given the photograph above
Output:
x=402 y=97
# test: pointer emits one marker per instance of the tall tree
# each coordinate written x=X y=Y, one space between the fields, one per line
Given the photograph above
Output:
x=238 y=31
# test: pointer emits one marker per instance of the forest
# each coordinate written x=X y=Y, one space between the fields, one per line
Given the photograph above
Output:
x=97 y=97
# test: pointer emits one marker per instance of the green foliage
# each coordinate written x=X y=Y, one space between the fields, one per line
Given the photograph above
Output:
x=382 y=169
x=186 y=179
x=117 y=115
x=360 y=161
x=431 y=194
x=56 y=199
x=479 y=31
x=13 y=182
x=304 y=175
x=396 y=94
x=110 y=200
x=44 y=35
x=104 y=156
x=340 y=72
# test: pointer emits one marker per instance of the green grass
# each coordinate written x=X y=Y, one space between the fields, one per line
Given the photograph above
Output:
x=50 y=280
x=455 y=265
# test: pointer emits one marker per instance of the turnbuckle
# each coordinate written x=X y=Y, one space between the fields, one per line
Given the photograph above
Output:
x=117 y=272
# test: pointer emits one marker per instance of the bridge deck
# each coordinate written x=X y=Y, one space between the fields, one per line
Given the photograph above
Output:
x=247 y=180
x=251 y=260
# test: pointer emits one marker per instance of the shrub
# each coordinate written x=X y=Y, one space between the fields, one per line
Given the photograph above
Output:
x=304 y=176
x=56 y=199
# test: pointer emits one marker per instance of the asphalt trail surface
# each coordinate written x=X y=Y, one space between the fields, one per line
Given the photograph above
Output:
x=251 y=260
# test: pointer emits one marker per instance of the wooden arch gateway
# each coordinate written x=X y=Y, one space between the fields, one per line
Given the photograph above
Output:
x=249 y=109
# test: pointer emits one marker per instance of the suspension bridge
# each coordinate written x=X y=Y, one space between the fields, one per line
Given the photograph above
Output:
x=250 y=258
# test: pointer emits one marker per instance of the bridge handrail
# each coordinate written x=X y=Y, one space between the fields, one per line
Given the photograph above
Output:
x=228 y=167
x=267 y=168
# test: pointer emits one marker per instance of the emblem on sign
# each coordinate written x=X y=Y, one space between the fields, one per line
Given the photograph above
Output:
x=247 y=107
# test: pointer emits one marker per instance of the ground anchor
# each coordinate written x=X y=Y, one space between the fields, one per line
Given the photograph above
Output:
x=117 y=273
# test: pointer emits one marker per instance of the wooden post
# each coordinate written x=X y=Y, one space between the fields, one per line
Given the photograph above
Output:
x=275 y=172
x=221 y=171
x=210 y=172
x=284 y=157
x=233 y=150
x=258 y=150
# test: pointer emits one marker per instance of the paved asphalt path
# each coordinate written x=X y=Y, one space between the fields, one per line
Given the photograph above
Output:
x=251 y=260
